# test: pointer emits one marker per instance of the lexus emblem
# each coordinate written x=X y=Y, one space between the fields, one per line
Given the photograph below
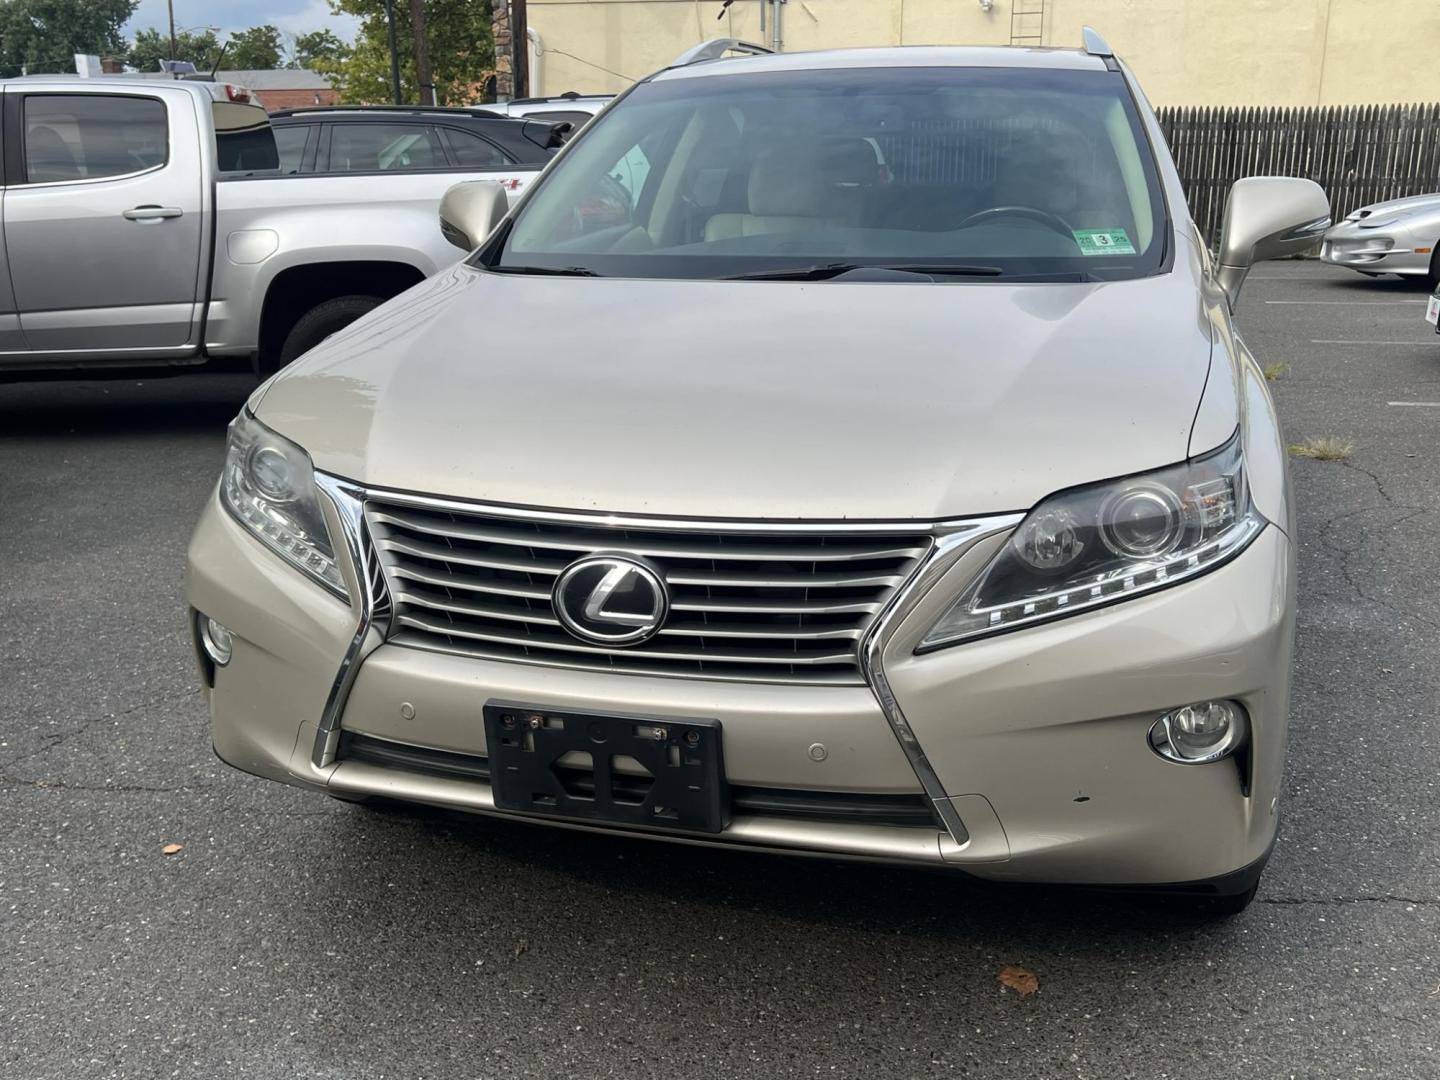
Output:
x=611 y=599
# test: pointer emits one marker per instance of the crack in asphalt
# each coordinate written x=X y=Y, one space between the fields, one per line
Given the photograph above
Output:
x=61 y=785
x=1345 y=555
x=1335 y=901
x=64 y=736
x=1375 y=479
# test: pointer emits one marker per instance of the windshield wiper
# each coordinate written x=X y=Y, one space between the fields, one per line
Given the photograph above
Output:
x=561 y=271
x=830 y=270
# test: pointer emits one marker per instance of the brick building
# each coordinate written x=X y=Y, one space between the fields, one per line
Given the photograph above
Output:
x=284 y=88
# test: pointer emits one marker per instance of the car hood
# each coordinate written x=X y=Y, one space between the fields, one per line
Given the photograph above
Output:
x=1380 y=211
x=752 y=400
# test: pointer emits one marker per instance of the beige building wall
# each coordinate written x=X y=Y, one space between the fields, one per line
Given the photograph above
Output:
x=1186 y=52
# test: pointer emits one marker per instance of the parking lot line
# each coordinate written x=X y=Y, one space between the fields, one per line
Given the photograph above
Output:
x=1337 y=341
x=1416 y=404
x=1376 y=303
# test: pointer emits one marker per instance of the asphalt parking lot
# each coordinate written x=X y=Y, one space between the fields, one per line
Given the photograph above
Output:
x=295 y=936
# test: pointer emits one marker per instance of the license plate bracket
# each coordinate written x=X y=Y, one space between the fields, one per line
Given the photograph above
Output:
x=564 y=763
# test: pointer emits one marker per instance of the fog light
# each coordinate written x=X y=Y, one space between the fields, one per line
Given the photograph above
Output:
x=215 y=640
x=1203 y=732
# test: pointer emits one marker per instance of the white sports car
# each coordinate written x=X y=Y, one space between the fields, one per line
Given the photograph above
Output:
x=1395 y=237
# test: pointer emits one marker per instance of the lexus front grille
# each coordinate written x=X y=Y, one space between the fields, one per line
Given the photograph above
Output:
x=747 y=603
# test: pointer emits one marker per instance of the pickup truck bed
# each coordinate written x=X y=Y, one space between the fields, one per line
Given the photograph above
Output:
x=292 y=243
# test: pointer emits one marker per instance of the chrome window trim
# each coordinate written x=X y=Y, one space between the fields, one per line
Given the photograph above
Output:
x=37 y=185
x=950 y=540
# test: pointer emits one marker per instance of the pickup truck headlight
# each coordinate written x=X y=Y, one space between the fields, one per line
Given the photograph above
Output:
x=269 y=486
x=1096 y=545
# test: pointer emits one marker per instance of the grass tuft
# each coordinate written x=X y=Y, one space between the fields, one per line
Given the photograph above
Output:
x=1274 y=371
x=1328 y=448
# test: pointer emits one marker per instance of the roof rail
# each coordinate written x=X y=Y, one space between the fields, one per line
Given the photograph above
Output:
x=452 y=110
x=1094 y=43
x=568 y=95
x=716 y=48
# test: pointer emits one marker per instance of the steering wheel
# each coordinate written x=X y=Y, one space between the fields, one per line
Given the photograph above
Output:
x=1030 y=213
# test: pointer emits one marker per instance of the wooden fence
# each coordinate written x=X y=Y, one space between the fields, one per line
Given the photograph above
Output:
x=1358 y=153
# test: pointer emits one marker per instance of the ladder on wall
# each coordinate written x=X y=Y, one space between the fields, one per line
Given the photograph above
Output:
x=1027 y=22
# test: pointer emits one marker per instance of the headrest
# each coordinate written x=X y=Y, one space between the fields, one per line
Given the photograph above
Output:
x=851 y=162
x=788 y=182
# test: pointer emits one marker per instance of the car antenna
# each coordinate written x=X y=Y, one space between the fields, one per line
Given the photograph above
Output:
x=218 y=59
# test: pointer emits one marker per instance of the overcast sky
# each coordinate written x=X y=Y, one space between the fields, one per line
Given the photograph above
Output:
x=227 y=16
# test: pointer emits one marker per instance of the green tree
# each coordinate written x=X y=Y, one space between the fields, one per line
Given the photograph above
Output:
x=319 y=50
x=462 y=51
x=44 y=35
x=152 y=46
x=256 y=49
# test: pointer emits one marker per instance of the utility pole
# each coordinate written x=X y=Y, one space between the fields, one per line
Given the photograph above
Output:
x=394 y=51
x=520 y=47
x=170 y=5
x=500 y=31
x=423 y=76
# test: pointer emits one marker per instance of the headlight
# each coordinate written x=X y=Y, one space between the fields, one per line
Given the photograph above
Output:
x=1095 y=545
x=269 y=486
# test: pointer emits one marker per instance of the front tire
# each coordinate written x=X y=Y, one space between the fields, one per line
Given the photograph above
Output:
x=321 y=321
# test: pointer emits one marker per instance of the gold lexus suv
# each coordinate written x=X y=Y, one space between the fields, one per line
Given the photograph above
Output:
x=845 y=453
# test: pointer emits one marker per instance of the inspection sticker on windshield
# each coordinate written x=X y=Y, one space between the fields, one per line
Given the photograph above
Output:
x=1103 y=241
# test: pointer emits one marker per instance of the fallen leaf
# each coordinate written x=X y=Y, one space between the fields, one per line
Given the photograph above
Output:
x=1018 y=979
x=522 y=947
x=171 y=849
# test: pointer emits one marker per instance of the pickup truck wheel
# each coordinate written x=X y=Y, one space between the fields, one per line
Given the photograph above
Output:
x=321 y=321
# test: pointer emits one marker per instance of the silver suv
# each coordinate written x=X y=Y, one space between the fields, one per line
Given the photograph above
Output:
x=847 y=453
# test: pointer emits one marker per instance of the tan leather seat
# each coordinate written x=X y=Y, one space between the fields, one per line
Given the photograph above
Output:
x=788 y=191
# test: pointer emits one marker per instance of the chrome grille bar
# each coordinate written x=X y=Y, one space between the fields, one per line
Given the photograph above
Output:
x=749 y=601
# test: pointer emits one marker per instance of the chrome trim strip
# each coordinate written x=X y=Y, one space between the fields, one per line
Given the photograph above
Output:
x=86 y=181
x=632 y=521
x=950 y=542
x=372 y=604
x=898 y=844
x=847 y=680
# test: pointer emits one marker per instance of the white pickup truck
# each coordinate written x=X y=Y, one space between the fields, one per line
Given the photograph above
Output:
x=144 y=225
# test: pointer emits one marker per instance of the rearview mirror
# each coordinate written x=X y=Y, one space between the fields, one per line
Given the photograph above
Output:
x=1268 y=217
x=470 y=211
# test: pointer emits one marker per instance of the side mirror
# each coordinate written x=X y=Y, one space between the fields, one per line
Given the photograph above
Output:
x=1268 y=217
x=470 y=211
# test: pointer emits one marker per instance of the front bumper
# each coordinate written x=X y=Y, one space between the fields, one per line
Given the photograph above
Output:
x=1037 y=737
x=1386 y=250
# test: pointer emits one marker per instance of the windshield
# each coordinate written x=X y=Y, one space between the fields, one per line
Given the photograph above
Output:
x=991 y=172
